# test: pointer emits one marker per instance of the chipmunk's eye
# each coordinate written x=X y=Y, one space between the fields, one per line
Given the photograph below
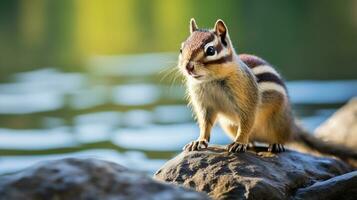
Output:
x=181 y=50
x=210 y=51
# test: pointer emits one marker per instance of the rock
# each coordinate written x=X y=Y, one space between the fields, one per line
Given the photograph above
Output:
x=87 y=179
x=341 y=127
x=250 y=175
x=339 y=187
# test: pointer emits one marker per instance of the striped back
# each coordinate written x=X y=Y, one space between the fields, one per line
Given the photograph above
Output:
x=267 y=77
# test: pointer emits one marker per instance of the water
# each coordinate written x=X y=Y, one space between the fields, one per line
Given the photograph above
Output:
x=123 y=109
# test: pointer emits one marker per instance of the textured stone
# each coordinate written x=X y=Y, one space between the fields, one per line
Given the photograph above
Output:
x=87 y=179
x=341 y=127
x=250 y=175
x=339 y=187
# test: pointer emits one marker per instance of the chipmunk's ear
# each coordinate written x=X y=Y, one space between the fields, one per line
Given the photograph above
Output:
x=193 y=25
x=221 y=30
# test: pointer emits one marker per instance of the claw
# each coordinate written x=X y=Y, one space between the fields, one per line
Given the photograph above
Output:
x=237 y=147
x=196 y=145
x=202 y=144
x=277 y=148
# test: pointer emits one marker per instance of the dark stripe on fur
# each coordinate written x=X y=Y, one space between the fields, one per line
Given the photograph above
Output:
x=269 y=77
x=205 y=41
x=252 y=61
x=219 y=48
x=222 y=60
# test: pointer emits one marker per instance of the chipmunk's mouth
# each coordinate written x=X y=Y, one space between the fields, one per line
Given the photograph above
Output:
x=194 y=75
x=197 y=76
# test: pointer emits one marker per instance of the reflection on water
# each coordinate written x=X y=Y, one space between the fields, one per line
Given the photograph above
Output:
x=134 y=95
x=128 y=158
x=322 y=92
x=36 y=139
x=85 y=98
x=120 y=110
x=163 y=137
x=38 y=91
x=30 y=103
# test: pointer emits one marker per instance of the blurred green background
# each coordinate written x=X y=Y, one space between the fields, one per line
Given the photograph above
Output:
x=96 y=78
x=305 y=39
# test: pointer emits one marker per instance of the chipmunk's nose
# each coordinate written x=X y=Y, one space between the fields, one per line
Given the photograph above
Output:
x=190 y=67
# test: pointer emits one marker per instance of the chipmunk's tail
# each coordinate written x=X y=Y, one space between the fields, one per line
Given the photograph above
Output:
x=308 y=139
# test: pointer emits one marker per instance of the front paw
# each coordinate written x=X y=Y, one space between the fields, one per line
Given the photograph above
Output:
x=196 y=145
x=237 y=147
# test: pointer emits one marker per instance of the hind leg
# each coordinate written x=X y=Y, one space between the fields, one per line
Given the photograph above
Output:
x=278 y=135
x=276 y=148
x=280 y=130
x=276 y=119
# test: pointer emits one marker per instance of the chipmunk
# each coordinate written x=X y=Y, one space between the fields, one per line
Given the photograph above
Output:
x=243 y=92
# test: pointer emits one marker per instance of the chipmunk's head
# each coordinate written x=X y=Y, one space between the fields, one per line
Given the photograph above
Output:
x=206 y=54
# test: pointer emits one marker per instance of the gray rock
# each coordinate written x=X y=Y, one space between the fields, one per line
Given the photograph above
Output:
x=341 y=127
x=87 y=179
x=250 y=175
x=339 y=187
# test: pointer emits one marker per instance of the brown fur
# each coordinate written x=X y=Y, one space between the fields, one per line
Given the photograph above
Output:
x=220 y=97
x=252 y=61
x=194 y=44
x=226 y=90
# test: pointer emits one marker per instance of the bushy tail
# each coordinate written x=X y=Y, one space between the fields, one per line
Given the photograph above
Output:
x=308 y=139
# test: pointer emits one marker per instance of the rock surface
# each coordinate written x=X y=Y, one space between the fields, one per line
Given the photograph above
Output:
x=339 y=187
x=250 y=175
x=341 y=127
x=87 y=179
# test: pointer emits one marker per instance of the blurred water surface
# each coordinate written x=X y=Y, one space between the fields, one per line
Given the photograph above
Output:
x=135 y=117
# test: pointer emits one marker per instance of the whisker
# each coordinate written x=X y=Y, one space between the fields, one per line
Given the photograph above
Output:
x=173 y=82
x=173 y=73
x=167 y=72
